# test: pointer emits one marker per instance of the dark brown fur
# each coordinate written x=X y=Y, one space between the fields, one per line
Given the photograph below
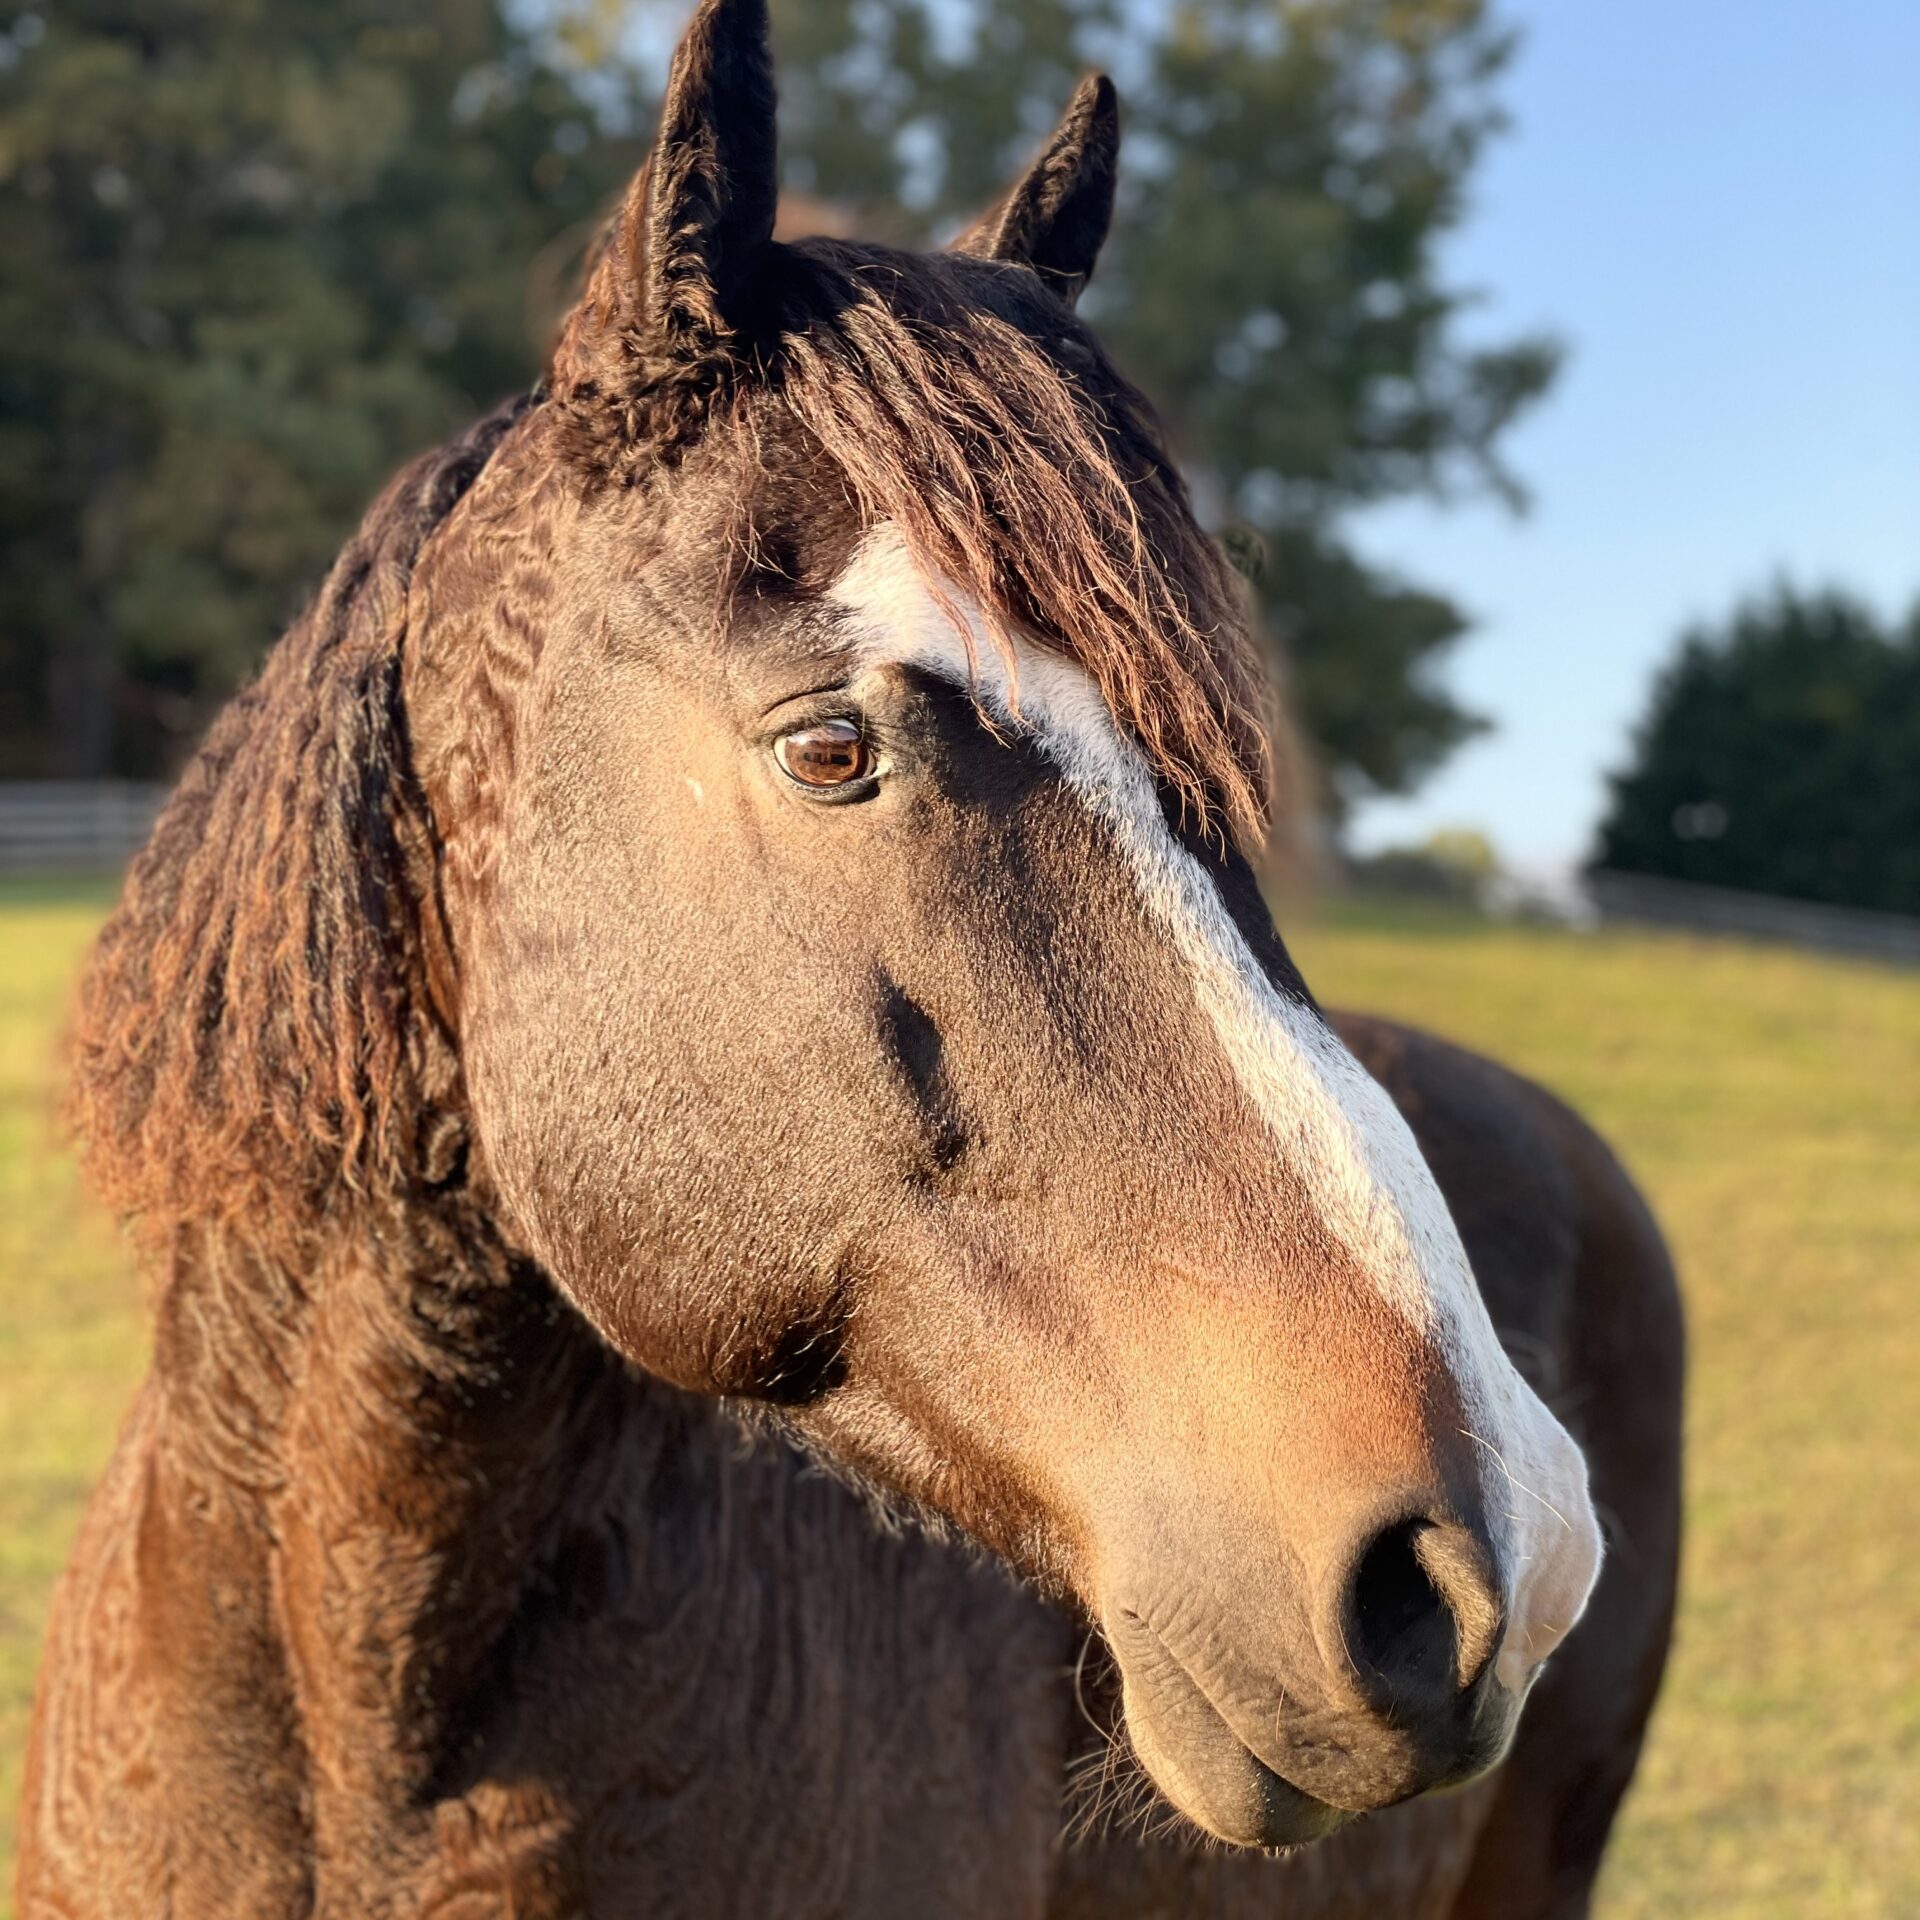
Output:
x=432 y=1061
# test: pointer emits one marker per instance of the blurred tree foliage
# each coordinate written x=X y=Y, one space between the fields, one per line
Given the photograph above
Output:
x=1781 y=754
x=258 y=250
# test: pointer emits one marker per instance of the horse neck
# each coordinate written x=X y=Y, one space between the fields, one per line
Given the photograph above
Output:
x=403 y=1430
x=401 y=1337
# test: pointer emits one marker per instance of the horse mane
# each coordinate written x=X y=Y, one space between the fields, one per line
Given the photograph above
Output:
x=253 y=1044
x=961 y=400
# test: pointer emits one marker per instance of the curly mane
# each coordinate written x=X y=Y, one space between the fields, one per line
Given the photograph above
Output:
x=252 y=1041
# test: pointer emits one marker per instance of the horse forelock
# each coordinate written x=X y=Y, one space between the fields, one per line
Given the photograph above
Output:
x=959 y=401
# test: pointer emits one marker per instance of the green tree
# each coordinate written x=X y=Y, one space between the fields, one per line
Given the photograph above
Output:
x=1273 y=281
x=1781 y=754
x=257 y=252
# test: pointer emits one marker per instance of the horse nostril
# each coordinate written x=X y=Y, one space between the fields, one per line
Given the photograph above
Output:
x=1423 y=1617
x=1400 y=1627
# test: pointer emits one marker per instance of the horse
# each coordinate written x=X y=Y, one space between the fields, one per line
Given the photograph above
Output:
x=771 y=1294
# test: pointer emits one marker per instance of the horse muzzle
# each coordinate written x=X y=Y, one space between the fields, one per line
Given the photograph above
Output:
x=1379 y=1686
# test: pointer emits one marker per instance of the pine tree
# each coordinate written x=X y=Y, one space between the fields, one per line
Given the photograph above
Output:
x=258 y=252
x=1779 y=755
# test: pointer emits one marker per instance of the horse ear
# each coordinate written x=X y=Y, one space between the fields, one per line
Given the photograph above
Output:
x=1056 y=217
x=670 y=291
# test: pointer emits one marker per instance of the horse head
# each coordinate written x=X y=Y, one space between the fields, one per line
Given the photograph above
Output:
x=816 y=758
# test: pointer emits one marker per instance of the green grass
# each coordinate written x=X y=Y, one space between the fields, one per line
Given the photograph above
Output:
x=72 y=1342
x=1770 y=1102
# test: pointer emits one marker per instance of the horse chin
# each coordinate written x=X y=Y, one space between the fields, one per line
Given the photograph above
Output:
x=1209 y=1774
x=1212 y=1776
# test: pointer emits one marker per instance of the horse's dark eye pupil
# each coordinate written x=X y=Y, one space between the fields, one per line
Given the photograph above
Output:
x=827 y=755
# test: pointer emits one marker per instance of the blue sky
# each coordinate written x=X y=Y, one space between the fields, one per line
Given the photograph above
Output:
x=1716 y=203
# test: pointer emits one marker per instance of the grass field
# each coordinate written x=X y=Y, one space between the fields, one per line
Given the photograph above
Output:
x=1770 y=1103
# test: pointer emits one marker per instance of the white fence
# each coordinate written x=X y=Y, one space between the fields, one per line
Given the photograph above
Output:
x=74 y=826
x=1754 y=916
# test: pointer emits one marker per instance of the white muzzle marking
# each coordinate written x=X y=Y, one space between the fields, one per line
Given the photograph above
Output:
x=1332 y=1123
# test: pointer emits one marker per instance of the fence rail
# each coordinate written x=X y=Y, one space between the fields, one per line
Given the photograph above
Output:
x=81 y=826
x=1754 y=916
x=74 y=826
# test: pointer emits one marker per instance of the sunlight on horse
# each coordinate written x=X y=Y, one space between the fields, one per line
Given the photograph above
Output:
x=725 y=945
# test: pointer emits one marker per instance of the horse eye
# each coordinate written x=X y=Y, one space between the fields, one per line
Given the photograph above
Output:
x=832 y=753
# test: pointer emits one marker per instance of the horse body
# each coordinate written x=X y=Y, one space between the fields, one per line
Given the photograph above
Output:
x=678 y=1668
x=706 y=1079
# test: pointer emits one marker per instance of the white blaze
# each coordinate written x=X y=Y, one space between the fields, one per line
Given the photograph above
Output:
x=1334 y=1126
